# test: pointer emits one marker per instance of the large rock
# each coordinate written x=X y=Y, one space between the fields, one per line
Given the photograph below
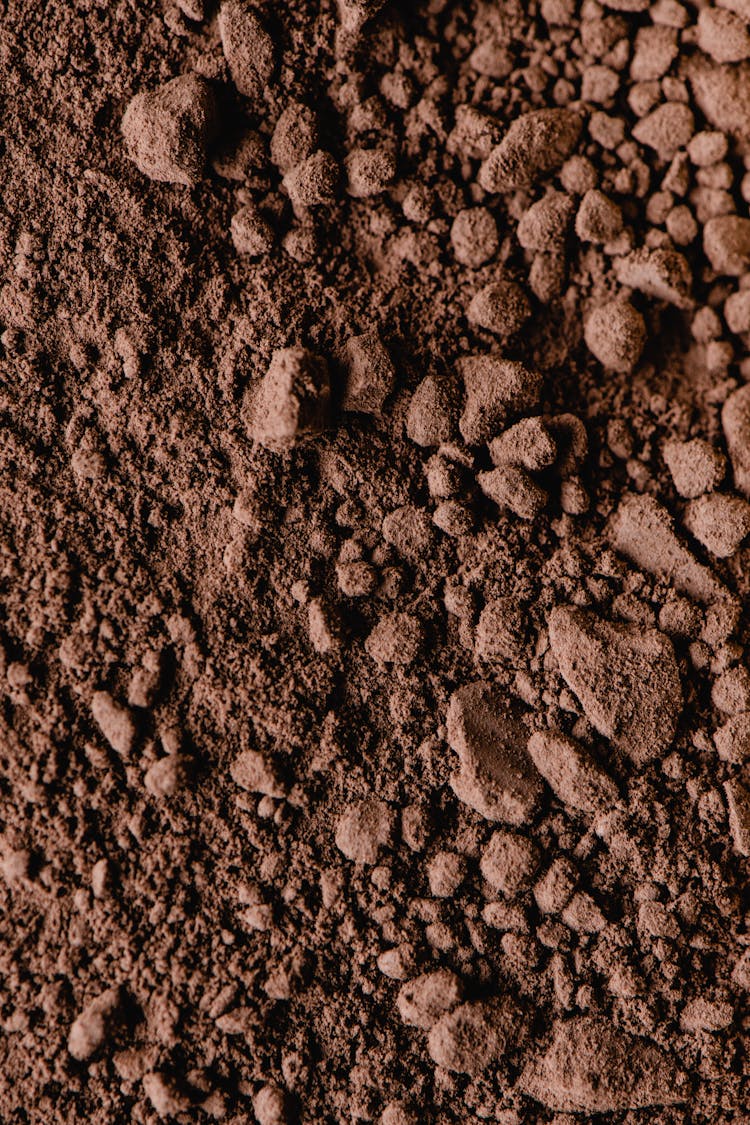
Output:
x=626 y=678
x=497 y=777
x=593 y=1067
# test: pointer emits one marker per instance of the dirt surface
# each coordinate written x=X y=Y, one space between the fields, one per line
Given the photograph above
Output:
x=375 y=464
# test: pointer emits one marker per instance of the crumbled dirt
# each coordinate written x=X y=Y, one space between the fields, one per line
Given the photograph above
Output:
x=375 y=478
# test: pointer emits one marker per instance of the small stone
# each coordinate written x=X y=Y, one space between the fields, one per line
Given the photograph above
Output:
x=500 y=633
x=511 y=487
x=696 y=466
x=702 y=1015
x=737 y=311
x=248 y=48
x=655 y=50
x=370 y=374
x=322 y=627
x=731 y=691
x=732 y=740
x=726 y=242
x=115 y=722
x=663 y=274
x=295 y=137
x=292 y=401
x=165 y=1095
x=719 y=521
x=707 y=148
x=396 y=639
x=474 y=237
x=425 y=999
x=92 y=1029
x=528 y=443
x=723 y=35
x=626 y=678
x=453 y=518
x=594 y=1067
x=102 y=878
x=735 y=419
x=446 y=872
x=641 y=529
x=666 y=129
x=473 y=1036
x=598 y=218
x=656 y=920
x=167 y=776
x=554 y=889
x=366 y=829
x=738 y=805
x=509 y=862
x=271 y=1106
x=398 y=963
x=545 y=224
x=578 y=175
x=313 y=183
x=496 y=388
x=167 y=130
x=501 y=307
x=582 y=915
x=722 y=93
x=572 y=774
x=256 y=773
x=354 y=14
x=251 y=232
x=409 y=530
x=369 y=172
x=475 y=134
x=15 y=866
x=536 y=143
x=496 y=777
x=431 y=417
x=616 y=333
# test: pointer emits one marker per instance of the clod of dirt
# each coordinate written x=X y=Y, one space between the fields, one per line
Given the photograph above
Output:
x=248 y=48
x=535 y=144
x=167 y=130
x=292 y=400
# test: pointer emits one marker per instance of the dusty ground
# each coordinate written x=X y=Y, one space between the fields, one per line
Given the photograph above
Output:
x=375 y=461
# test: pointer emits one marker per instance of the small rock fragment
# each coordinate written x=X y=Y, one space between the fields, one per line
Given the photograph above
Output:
x=271 y=1106
x=165 y=1095
x=255 y=772
x=295 y=137
x=511 y=487
x=738 y=805
x=292 y=400
x=396 y=639
x=732 y=740
x=93 y=1027
x=370 y=374
x=167 y=776
x=167 y=130
x=408 y=529
x=735 y=419
x=582 y=915
x=474 y=237
x=723 y=35
x=431 y=417
x=369 y=172
x=731 y=691
x=313 y=183
x=726 y=241
x=425 y=999
x=500 y=633
x=114 y=721
x=572 y=774
x=719 y=521
x=509 y=862
x=501 y=307
x=663 y=274
x=616 y=333
x=696 y=466
x=474 y=1035
x=666 y=129
x=593 y=1067
x=248 y=48
x=365 y=830
x=528 y=443
x=722 y=93
x=445 y=873
x=702 y=1014
x=641 y=529
x=544 y=225
x=535 y=144
x=496 y=388
x=496 y=777
x=322 y=627
x=626 y=678
x=251 y=232
x=598 y=218
x=553 y=890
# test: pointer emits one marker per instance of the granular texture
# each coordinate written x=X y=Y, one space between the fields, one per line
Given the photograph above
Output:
x=375 y=495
